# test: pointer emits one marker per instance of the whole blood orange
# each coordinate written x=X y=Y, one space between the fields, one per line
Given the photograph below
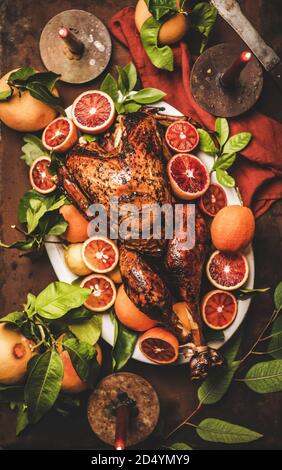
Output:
x=233 y=228
x=129 y=315
x=219 y=309
x=159 y=345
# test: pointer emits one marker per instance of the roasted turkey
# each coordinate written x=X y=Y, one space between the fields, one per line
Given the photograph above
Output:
x=129 y=163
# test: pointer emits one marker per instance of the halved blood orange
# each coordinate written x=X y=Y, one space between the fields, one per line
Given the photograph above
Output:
x=100 y=254
x=189 y=177
x=219 y=309
x=60 y=135
x=213 y=200
x=40 y=178
x=227 y=271
x=181 y=136
x=103 y=292
x=93 y=111
x=159 y=345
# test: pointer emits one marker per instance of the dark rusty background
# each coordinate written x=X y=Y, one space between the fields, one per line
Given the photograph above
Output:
x=22 y=22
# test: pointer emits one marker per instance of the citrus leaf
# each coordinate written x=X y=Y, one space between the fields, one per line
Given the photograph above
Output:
x=237 y=142
x=125 y=341
x=160 y=8
x=161 y=57
x=222 y=130
x=14 y=317
x=278 y=296
x=148 y=95
x=206 y=143
x=42 y=93
x=131 y=73
x=224 y=162
x=32 y=149
x=109 y=86
x=59 y=228
x=58 y=298
x=180 y=446
x=224 y=178
x=22 y=418
x=45 y=375
x=21 y=75
x=275 y=344
x=212 y=335
x=5 y=95
x=265 y=377
x=47 y=79
x=217 y=430
x=80 y=354
x=244 y=294
x=88 y=330
x=202 y=19
x=131 y=107
x=123 y=83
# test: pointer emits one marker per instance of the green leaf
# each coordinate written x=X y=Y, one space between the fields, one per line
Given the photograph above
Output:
x=131 y=73
x=278 y=296
x=78 y=314
x=88 y=330
x=81 y=354
x=5 y=95
x=160 y=8
x=237 y=142
x=212 y=335
x=89 y=138
x=224 y=162
x=216 y=385
x=120 y=108
x=202 y=19
x=22 y=418
x=124 y=344
x=42 y=93
x=65 y=404
x=9 y=393
x=21 y=75
x=244 y=294
x=14 y=317
x=206 y=143
x=58 y=298
x=275 y=344
x=131 y=107
x=123 y=83
x=29 y=306
x=224 y=179
x=180 y=446
x=43 y=384
x=109 y=86
x=24 y=203
x=222 y=130
x=23 y=245
x=32 y=149
x=59 y=228
x=148 y=95
x=216 y=430
x=47 y=79
x=161 y=57
x=265 y=377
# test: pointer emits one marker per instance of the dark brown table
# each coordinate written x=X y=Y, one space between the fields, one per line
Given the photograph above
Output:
x=22 y=22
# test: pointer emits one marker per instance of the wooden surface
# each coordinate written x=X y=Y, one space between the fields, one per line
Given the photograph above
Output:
x=22 y=21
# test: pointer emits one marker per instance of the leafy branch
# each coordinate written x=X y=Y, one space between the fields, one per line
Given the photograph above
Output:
x=263 y=377
x=122 y=90
x=224 y=149
x=39 y=85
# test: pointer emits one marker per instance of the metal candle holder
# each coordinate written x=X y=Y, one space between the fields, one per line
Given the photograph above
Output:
x=76 y=45
x=226 y=81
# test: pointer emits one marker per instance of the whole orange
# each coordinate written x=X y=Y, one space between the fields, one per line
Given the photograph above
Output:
x=77 y=224
x=129 y=315
x=23 y=112
x=233 y=228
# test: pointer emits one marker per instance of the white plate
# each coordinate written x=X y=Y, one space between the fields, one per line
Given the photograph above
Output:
x=56 y=256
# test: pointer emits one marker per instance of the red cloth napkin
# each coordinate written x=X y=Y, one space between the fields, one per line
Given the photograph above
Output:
x=259 y=172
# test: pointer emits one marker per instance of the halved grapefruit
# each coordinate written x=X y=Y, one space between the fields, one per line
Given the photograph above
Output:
x=103 y=292
x=93 y=112
x=189 y=177
x=219 y=309
x=181 y=136
x=40 y=178
x=227 y=271
x=60 y=135
x=100 y=254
